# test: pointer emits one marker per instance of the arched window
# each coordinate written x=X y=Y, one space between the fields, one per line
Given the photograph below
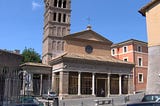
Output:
x=54 y=31
x=63 y=31
x=64 y=4
x=62 y=46
x=55 y=17
x=59 y=31
x=59 y=46
x=54 y=46
x=60 y=3
x=59 y=17
x=55 y=3
x=64 y=17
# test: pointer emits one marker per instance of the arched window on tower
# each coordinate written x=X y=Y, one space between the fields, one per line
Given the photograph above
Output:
x=54 y=46
x=59 y=17
x=62 y=46
x=59 y=31
x=60 y=3
x=54 y=31
x=54 y=16
x=59 y=46
x=64 y=17
x=64 y=4
x=55 y=3
x=63 y=31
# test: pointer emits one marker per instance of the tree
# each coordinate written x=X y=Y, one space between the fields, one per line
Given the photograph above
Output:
x=29 y=55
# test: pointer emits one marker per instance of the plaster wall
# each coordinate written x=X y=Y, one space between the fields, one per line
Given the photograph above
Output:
x=153 y=83
x=153 y=25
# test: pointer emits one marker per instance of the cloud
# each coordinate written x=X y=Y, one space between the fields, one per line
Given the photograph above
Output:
x=35 y=5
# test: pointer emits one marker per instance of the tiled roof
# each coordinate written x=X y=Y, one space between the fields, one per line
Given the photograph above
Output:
x=106 y=59
x=35 y=64
x=144 y=9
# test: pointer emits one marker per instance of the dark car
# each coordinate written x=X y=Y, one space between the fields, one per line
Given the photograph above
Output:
x=145 y=104
x=26 y=104
x=150 y=97
x=29 y=100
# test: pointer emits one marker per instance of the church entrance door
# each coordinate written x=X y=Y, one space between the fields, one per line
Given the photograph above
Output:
x=101 y=88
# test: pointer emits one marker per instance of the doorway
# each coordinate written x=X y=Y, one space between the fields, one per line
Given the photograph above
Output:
x=101 y=88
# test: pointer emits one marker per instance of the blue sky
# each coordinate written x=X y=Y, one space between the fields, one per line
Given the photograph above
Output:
x=21 y=21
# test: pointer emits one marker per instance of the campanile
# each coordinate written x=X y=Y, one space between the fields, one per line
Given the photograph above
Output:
x=56 y=26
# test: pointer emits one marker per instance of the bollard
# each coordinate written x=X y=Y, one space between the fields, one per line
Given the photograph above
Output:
x=55 y=101
x=63 y=103
x=82 y=103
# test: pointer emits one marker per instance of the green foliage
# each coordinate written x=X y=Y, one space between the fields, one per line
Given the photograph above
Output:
x=29 y=55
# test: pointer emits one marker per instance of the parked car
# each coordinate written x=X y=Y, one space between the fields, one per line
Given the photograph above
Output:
x=153 y=103
x=50 y=96
x=30 y=100
x=26 y=104
x=150 y=97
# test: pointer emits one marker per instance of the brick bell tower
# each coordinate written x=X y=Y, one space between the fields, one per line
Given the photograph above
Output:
x=56 y=26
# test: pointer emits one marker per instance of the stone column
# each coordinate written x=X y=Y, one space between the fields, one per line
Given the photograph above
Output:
x=53 y=82
x=63 y=83
x=79 y=83
x=109 y=75
x=41 y=84
x=93 y=84
x=120 y=84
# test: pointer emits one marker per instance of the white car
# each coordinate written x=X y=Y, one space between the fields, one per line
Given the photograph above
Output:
x=49 y=96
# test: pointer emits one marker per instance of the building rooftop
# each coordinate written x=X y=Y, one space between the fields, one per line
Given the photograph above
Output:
x=147 y=6
x=129 y=41
x=104 y=59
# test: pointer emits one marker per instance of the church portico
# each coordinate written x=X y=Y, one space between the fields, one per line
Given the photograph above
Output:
x=87 y=81
x=81 y=84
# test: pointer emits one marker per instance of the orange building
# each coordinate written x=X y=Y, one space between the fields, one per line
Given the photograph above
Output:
x=134 y=51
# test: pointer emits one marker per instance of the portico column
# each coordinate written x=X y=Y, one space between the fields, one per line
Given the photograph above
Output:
x=120 y=84
x=41 y=83
x=109 y=75
x=93 y=83
x=79 y=83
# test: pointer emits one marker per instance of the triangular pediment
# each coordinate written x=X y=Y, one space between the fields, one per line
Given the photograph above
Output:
x=89 y=35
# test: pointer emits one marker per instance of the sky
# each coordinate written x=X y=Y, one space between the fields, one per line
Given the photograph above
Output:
x=21 y=21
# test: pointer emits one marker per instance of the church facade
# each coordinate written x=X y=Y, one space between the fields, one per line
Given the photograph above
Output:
x=82 y=64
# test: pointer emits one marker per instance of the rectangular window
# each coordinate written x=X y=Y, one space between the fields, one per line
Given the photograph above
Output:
x=140 y=77
x=140 y=61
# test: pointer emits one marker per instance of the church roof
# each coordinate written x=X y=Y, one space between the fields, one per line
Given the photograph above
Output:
x=88 y=35
x=104 y=59
x=146 y=7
